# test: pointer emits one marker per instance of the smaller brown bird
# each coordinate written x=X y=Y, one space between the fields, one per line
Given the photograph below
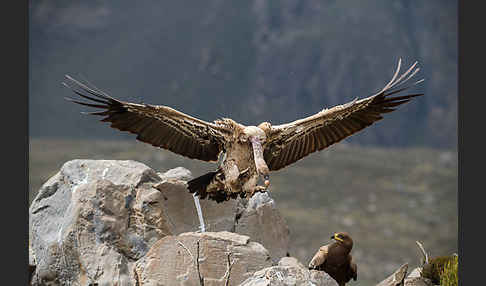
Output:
x=335 y=259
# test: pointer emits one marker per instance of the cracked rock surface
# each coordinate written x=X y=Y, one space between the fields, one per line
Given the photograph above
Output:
x=289 y=271
x=399 y=277
x=84 y=227
x=261 y=220
x=95 y=219
x=215 y=258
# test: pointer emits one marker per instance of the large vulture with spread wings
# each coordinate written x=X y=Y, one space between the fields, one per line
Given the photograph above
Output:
x=248 y=152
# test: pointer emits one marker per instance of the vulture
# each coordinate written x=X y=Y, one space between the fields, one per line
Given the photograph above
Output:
x=335 y=259
x=247 y=153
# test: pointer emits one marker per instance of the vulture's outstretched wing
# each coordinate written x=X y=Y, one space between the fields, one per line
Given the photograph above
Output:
x=290 y=142
x=160 y=126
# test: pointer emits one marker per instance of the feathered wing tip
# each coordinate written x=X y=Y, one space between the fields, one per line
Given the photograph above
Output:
x=98 y=98
x=395 y=82
x=383 y=97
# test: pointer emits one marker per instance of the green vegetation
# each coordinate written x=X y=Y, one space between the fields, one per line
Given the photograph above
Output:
x=449 y=275
x=441 y=270
x=385 y=198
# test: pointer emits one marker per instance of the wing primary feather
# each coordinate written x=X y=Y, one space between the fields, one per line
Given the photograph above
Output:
x=361 y=119
x=386 y=110
x=90 y=98
x=400 y=81
x=85 y=96
x=90 y=90
x=395 y=103
x=95 y=113
x=388 y=99
x=94 y=87
x=397 y=82
x=387 y=86
x=84 y=103
x=391 y=92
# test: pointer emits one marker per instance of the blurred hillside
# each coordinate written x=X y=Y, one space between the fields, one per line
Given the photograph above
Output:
x=385 y=198
x=248 y=60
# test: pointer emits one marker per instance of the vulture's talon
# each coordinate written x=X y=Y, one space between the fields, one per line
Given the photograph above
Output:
x=260 y=189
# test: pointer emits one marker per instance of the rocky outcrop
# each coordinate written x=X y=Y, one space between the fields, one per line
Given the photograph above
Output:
x=102 y=222
x=399 y=277
x=95 y=220
x=177 y=204
x=260 y=211
x=210 y=258
x=86 y=225
x=396 y=278
x=289 y=271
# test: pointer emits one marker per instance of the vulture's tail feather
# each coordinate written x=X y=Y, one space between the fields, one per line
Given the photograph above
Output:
x=198 y=185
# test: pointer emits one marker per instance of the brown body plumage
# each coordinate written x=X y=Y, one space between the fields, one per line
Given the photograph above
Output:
x=335 y=259
x=248 y=151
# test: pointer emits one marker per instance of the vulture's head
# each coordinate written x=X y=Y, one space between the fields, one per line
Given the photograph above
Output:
x=266 y=127
x=343 y=239
x=253 y=133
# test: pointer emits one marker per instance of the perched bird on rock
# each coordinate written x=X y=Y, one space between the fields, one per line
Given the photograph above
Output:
x=335 y=259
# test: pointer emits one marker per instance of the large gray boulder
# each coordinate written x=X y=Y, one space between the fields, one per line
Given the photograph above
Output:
x=94 y=219
x=289 y=271
x=85 y=227
x=215 y=258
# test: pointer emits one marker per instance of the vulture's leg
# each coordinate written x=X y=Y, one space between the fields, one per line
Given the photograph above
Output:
x=260 y=163
x=202 y=227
